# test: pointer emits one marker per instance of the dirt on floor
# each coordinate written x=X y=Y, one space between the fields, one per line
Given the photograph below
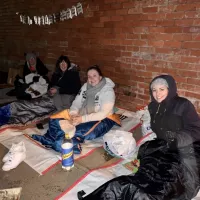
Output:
x=55 y=181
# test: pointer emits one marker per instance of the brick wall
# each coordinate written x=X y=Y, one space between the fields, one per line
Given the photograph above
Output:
x=132 y=41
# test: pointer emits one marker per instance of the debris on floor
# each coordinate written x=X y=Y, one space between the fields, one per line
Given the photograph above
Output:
x=10 y=194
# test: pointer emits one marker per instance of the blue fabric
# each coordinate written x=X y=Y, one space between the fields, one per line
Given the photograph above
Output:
x=54 y=136
x=103 y=127
x=5 y=113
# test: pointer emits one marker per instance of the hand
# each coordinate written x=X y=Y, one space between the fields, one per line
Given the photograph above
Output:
x=76 y=119
x=65 y=125
x=53 y=91
x=72 y=116
x=171 y=139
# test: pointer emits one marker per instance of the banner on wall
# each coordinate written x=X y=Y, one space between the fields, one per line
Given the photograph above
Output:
x=69 y=13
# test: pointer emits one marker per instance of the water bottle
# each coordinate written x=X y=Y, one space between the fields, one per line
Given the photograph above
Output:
x=67 y=153
x=146 y=123
x=146 y=128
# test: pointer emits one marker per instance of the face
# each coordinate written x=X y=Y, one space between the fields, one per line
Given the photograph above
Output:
x=159 y=92
x=32 y=61
x=93 y=77
x=63 y=66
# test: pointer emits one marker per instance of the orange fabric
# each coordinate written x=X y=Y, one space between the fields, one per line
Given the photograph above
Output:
x=64 y=114
x=115 y=118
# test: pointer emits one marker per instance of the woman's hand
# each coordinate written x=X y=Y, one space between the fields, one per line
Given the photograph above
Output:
x=76 y=119
x=52 y=91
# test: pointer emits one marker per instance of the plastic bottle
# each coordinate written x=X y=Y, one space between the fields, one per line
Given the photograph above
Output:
x=146 y=128
x=146 y=125
x=67 y=153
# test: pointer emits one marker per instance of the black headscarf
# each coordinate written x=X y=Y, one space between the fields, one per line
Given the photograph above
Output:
x=171 y=87
x=60 y=59
x=164 y=106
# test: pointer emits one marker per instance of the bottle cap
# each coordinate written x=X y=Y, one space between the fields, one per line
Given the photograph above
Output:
x=67 y=136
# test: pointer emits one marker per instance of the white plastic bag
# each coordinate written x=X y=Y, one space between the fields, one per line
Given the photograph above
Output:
x=120 y=144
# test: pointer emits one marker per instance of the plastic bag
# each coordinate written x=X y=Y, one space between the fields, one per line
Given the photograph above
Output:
x=146 y=122
x=119 y=144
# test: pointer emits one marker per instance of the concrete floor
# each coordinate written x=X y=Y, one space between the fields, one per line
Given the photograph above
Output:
x=54 y=182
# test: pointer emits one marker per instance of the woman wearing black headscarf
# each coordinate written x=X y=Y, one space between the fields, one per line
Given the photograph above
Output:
x=170 y=164
x=34 y=74
x=33 y=64
x=173 y=118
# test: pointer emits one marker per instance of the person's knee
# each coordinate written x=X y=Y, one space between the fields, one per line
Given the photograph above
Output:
x=58 y=107
x=57 y=102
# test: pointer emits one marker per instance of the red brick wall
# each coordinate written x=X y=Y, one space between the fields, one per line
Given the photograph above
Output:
x=132 y=41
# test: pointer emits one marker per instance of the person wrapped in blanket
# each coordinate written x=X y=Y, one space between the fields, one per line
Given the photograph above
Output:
x=170 y=164
x=65 y=83
x=34 y=82
x=91 y=112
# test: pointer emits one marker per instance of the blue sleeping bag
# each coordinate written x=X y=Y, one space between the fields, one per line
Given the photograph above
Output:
x=54 y=136
x=5 y=113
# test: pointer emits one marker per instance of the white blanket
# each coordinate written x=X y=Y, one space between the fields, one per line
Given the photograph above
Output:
x=41 y=86
x=93 y=179
x=42 y=159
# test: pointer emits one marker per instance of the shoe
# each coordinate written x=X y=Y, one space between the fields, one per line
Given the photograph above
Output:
x=14 y=157
x=77 y=149
x=13 y=148
x=40 y=126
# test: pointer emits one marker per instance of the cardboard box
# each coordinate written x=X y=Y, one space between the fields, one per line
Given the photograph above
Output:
x=12 y=193
x=12 y=73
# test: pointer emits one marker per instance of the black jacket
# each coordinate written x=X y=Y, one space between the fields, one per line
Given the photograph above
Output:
x=154 y=180
x=20 y=88
x=175 y=114
x=163 y=174
x=69 y=82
